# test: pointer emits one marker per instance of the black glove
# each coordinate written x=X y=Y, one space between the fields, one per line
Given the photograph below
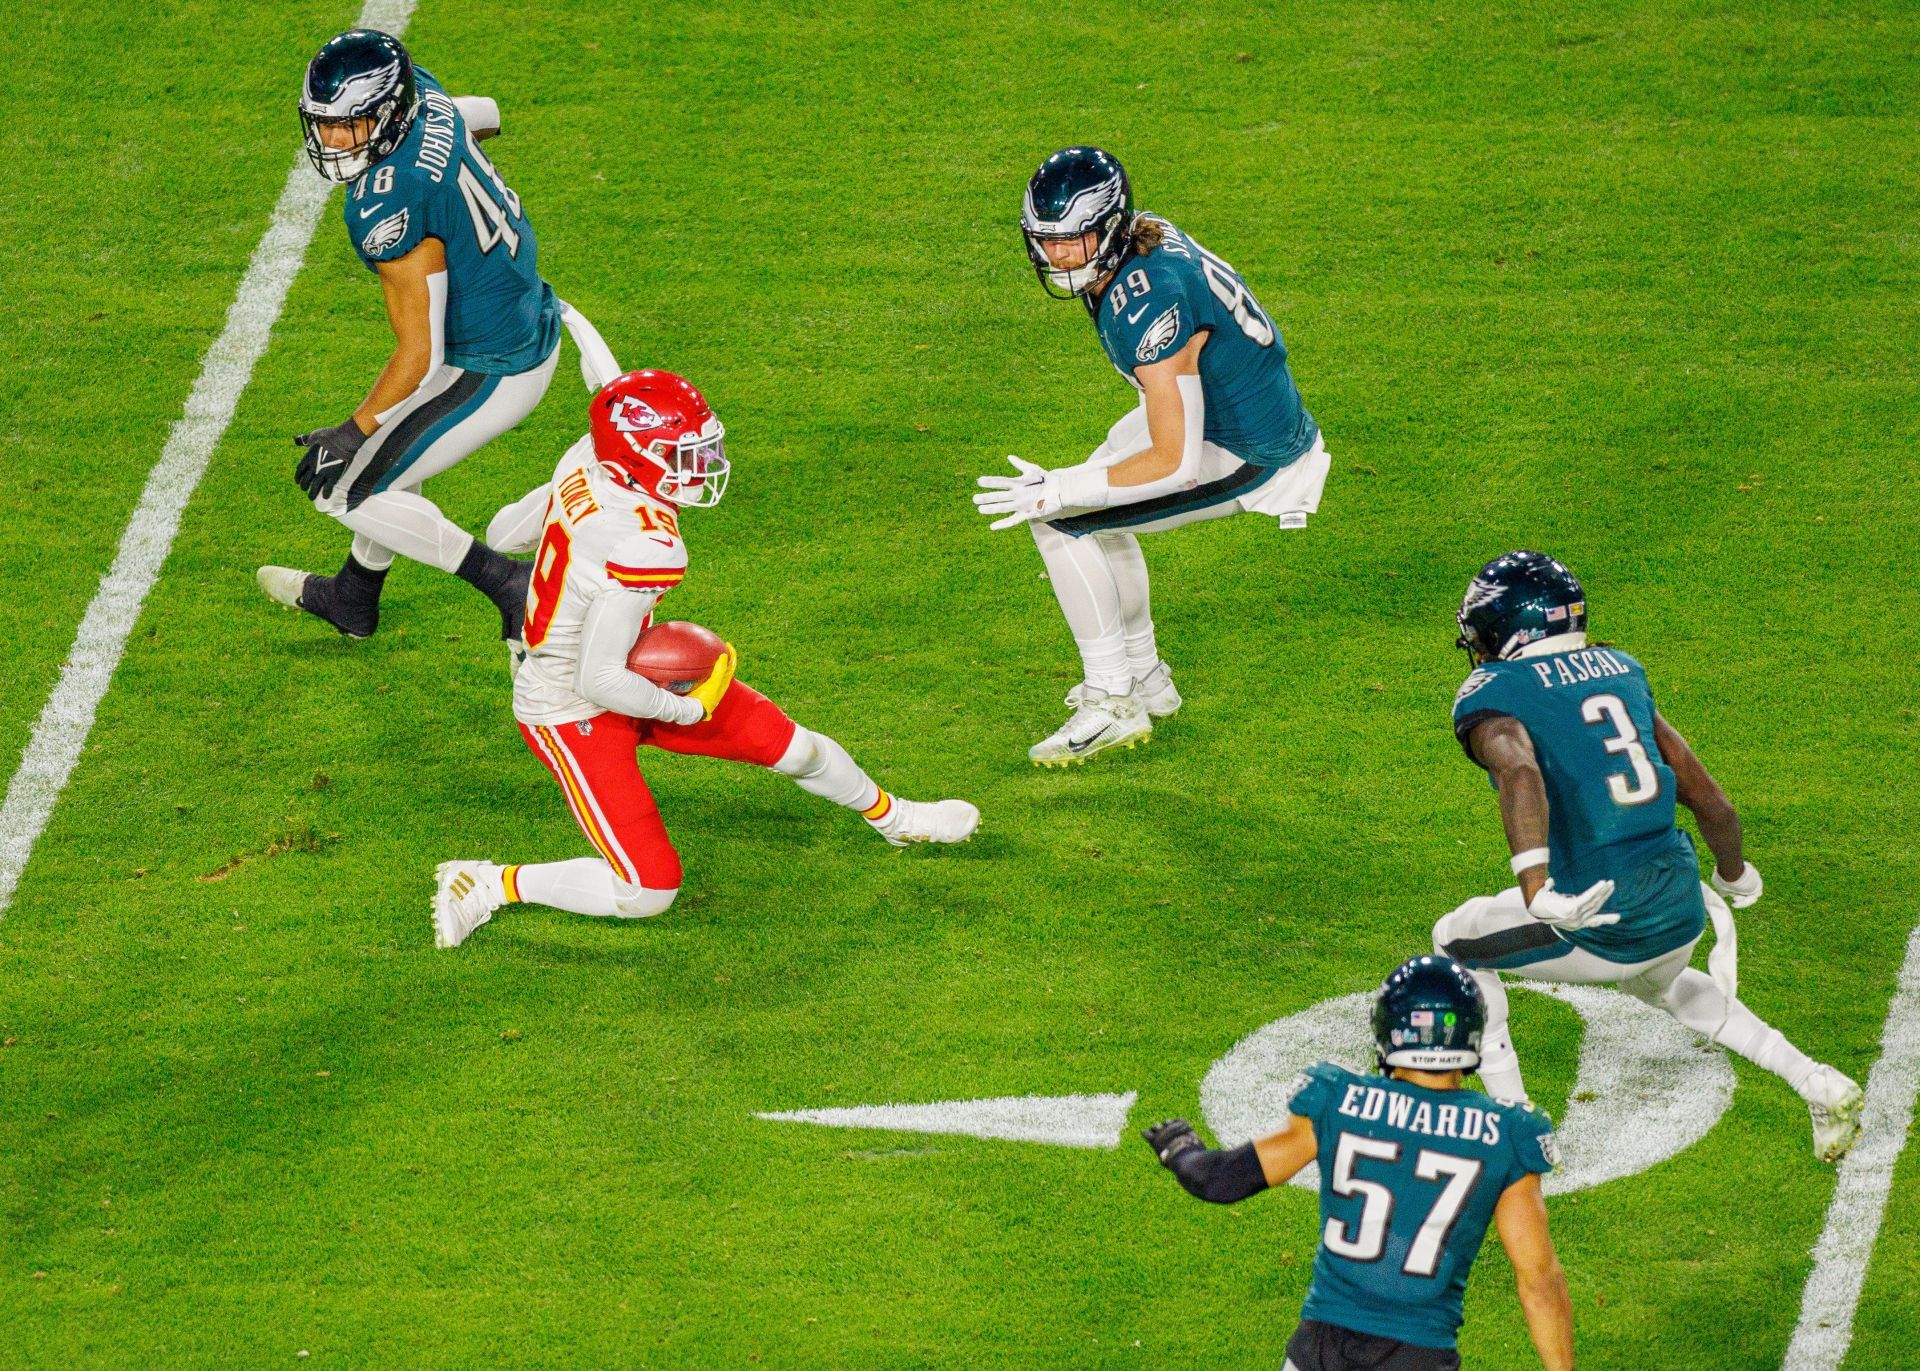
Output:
x=329 y=452
x=1169 y=1139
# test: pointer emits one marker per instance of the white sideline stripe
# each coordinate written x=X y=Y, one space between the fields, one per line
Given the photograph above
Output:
x=63 y=726
x=1841 y=1256
x=1065 y=1120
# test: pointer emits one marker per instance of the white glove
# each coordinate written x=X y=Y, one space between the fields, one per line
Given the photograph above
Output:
x=1568 y=912
x=1742 y=890
x=1037 y=493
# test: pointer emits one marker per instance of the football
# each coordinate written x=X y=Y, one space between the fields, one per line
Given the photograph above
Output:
x=676 y=655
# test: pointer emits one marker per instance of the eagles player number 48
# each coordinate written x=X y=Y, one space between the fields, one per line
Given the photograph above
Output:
x=492 y=224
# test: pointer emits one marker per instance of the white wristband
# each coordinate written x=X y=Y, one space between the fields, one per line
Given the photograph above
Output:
x=1533 y=856
x=1083 y=487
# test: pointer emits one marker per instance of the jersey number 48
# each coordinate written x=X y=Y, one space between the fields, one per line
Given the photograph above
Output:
x=493 y=214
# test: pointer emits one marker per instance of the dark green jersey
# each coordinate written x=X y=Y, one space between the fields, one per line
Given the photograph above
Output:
x=502 y=319
x=1409 y=1178
x=1610 y=794
x=1154 y=306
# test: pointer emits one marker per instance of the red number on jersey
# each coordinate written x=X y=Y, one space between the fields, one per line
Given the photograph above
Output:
x=549 y=578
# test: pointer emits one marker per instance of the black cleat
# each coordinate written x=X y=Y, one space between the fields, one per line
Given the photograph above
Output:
x=319 y=596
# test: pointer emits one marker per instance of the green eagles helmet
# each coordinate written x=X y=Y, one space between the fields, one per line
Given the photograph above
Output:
x=1077 y=190
x=1429 y=1016
x=1516 y=599
x=359 y=74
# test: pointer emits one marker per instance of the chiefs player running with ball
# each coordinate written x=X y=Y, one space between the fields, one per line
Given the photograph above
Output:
x=608 y=533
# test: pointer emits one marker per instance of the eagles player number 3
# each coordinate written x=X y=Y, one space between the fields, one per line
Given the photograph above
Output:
x=1645 y=786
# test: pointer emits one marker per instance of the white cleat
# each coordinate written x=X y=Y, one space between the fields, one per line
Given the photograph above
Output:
x=467 y=893
x=282 y=584
x=1100 y=721
x=1836 y=1126
x=1156 y=693
x=928 y=821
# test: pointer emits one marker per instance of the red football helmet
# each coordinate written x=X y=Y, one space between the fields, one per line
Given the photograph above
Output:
x=654 y=431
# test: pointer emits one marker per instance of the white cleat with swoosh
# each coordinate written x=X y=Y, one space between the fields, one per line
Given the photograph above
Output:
x=1100 y=721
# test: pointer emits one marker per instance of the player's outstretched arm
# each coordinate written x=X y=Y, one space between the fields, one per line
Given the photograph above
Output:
x=1228 y=1176
x=1521 y=1220
x=416 y=289
x=1175 y=406
x=1719 y=821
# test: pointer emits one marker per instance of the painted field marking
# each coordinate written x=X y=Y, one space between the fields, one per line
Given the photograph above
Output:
x=1841 y=1257
x=63 y=726
x=1064 y=1120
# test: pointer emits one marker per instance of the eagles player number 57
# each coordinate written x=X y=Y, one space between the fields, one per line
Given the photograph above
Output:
x=1414 y=1168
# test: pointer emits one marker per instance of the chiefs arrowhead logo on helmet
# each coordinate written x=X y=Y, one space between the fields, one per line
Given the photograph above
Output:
x=630 y=414
x=655 y=432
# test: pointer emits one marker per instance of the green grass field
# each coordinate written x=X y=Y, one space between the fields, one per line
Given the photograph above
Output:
x=1635 y=285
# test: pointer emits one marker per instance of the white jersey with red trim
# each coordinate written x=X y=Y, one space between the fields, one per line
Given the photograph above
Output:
x=599 y=536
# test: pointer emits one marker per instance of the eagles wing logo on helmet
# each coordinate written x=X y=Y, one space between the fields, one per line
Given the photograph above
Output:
x=1084 y=211
x=1159 y=335
x=633 y=416
x=357 y=95
x=1478 y=594
x=385 y=234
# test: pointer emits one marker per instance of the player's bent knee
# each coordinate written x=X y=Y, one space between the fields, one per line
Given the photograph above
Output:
x=804 y=755
x=632 y=900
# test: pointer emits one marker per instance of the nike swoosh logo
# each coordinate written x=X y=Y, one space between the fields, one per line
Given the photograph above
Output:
x=664 y=542
x=1134 y=317
x=372 y=210
x=1086 y=743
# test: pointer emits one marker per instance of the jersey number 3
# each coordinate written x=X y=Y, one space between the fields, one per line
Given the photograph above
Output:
x=1645 y=783
x=1366 y=1240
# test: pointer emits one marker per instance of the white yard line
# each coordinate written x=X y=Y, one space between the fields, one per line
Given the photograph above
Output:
x=1064 y=1120
x=64 y=724
x=1841 y=1257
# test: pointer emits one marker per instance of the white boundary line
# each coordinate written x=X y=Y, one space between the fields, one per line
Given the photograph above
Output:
x=67 y=719
x=1841 y=1257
